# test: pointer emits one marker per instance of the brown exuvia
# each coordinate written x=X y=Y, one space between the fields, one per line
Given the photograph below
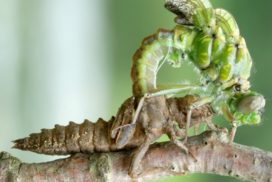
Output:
x=158 y=116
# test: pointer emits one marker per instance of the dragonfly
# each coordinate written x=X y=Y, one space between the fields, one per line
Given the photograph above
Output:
x=209 y=39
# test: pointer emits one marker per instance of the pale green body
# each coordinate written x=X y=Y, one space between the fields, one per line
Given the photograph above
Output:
x=210 y=39
x=218 y=59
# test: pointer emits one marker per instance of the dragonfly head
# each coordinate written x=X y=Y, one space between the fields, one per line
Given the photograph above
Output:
x=185 y=9
x=247 y=108
x=182 y=9
x=244 y=85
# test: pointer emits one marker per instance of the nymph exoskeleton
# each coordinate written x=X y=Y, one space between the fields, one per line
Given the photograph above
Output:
x=156 y=118
x=160 y=115
x=210 y=40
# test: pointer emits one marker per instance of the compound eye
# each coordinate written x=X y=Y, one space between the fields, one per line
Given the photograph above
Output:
x=237 y=88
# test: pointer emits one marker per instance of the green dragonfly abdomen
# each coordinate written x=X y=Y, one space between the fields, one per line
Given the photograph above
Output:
x=209 y=39
x=227 y=59
x=147 y=59
x=218 y=57
x=145 y=63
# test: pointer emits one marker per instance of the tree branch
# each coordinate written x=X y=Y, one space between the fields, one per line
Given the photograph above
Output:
x=210 y=153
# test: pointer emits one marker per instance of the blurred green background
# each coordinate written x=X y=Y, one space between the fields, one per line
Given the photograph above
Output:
x=63 y=60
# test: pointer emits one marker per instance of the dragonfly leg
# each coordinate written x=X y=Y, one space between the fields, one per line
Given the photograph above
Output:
x=170 y=89
x=172 y=134
x=139 y=108
x=232 y=134
x=212 y=126
x=197 y=104
x=134 y=169
x=229 y=116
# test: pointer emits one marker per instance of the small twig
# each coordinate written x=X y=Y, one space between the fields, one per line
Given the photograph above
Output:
x=210 y=153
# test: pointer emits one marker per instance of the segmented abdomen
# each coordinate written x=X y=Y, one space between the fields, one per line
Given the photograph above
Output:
x=218 y=56
x=74 y=138
x=146 y=61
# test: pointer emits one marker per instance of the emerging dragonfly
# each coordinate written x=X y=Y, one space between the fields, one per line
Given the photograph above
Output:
x=210 y=40
x=207 y=38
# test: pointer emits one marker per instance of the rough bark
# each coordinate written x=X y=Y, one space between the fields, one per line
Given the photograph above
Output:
x=210 y=153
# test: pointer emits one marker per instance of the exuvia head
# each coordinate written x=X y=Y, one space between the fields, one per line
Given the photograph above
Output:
x=247 y=108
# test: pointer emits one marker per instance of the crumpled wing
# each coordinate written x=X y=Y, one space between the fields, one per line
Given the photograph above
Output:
x=122 y=130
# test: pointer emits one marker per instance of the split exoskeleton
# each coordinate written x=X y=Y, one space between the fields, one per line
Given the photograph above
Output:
x=159 y=115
